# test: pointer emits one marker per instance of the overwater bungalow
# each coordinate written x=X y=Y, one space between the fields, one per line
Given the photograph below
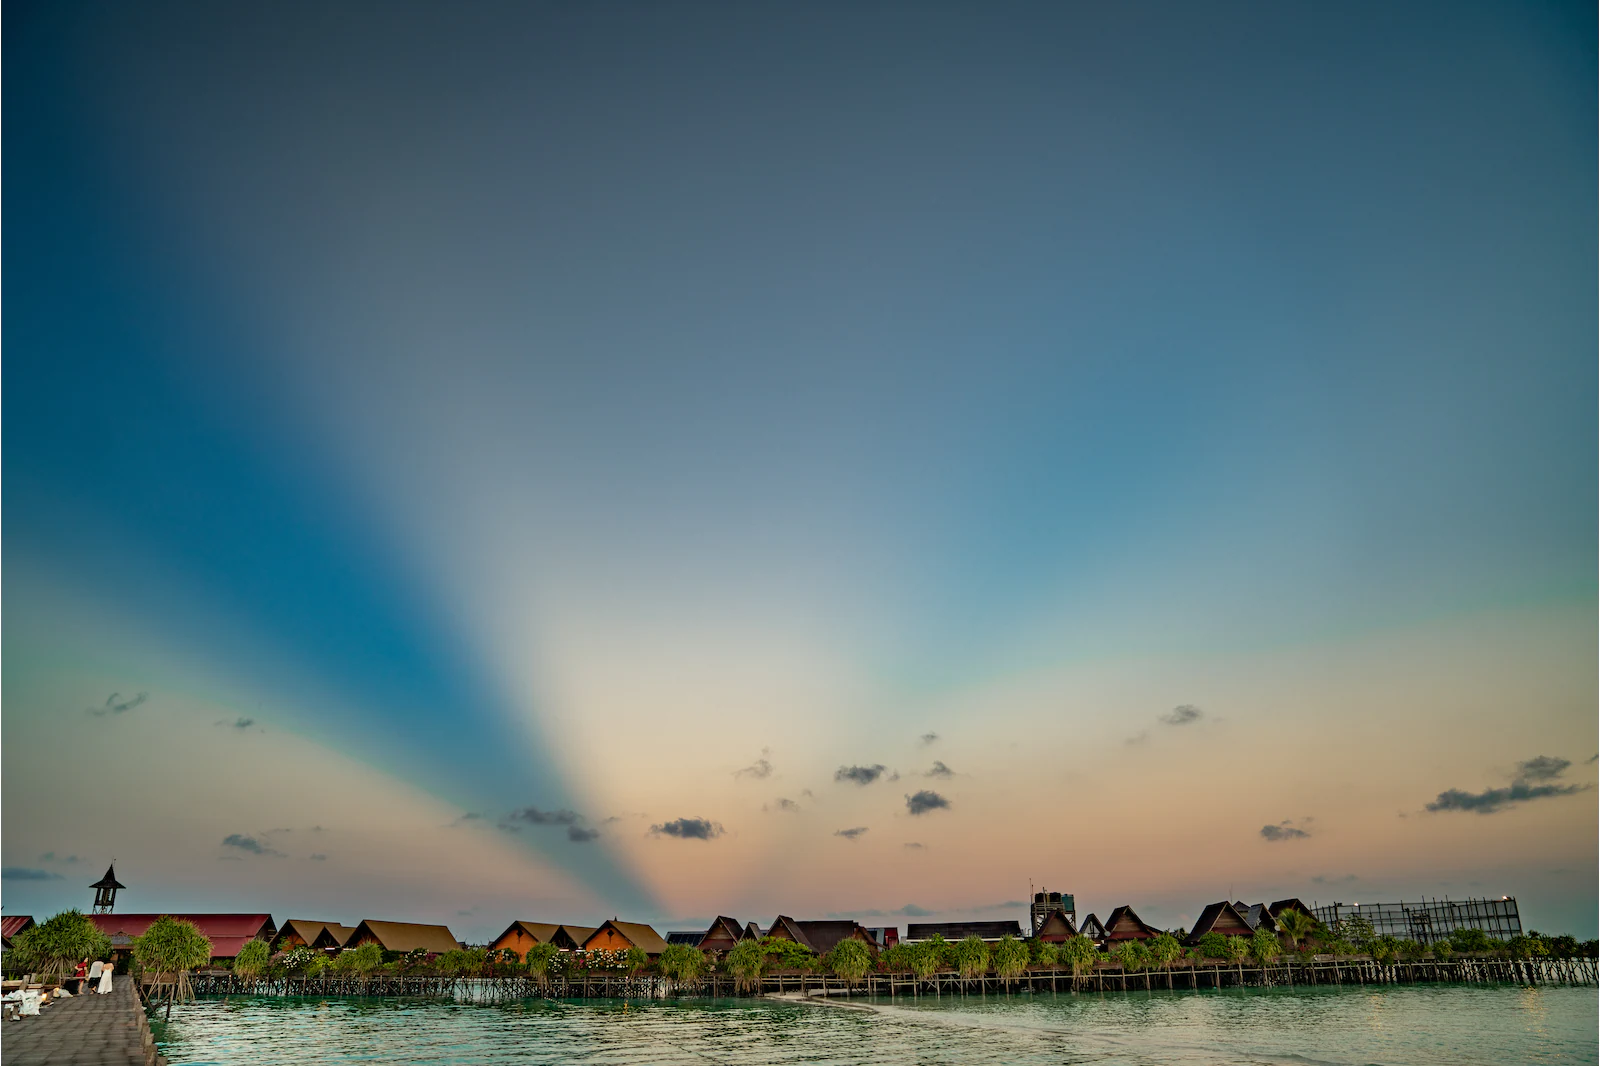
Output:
x=1056 y=927
x=821 y=936
x=1290 y=904
x=1223 y=917
x=1126 y=925
x=227 y=932
x=722 y=935
x=989 y=932
x=571 y=937
x=300 y=932
x=1258 y=915
x=404 y=937
x=520 y=936
x=1093 y=929
x=613 y=935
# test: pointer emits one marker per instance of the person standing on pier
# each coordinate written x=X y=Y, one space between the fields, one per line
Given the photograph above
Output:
x=105 y=978
x=81 y=975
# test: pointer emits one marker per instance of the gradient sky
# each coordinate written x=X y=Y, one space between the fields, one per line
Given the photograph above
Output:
x=492 y=461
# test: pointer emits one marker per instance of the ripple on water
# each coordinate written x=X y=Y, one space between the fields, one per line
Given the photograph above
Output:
x=1415 y=1026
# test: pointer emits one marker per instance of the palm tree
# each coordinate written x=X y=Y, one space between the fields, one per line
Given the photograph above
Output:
x=682 y=964
x=541 y=960
x=1264 y=947
x=1236 y=948
x=1166 y=950
x=1296 y=925
x=1078 y=952
x=54 y=947
x=746 y=962
x=171 y=945
x=1010 y=958
x=972 y=957
x=252 y=961
x=849 y=961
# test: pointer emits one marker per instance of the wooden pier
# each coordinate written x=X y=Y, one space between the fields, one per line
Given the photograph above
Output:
x=1322 y=971
x=88 y=1030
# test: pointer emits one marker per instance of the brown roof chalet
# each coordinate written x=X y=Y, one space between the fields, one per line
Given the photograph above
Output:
x=333 y=937
x=1259 y=916
x=956 y=931
x=571 y=937
x=1290 y=904
x=1092 y=928
x=636 y=934
x=723 y=934
x=1056 y=927
x=1222 y=918
x=538 y=932
x=786 y=928
x=1126 y=925
x=404 y=936
x=308 y=932
x=825 y=936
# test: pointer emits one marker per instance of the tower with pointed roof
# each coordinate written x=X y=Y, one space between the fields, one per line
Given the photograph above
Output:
x=105 y=891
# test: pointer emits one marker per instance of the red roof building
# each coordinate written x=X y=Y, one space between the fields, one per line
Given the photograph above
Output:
x=227 y=932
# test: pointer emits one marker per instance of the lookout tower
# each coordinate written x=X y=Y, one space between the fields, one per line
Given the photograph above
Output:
x=105 y=891
x=1046 y=902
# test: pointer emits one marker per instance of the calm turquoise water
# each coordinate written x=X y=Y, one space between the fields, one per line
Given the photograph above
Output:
x=1461 y=1026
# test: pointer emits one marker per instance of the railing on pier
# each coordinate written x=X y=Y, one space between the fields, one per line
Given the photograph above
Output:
x=1321 y=970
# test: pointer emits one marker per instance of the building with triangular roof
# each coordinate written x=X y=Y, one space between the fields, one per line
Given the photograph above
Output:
x=227 y=932
x=1222 y=917
x=302 y=932
x=722 y=935
x=105 y=891
x=1124 y=924
x=1093 y=928
x=1056 y=927
x=989 y=932
x=613 y=935
x=404 y=937
x=520 y=936
x=821 y=936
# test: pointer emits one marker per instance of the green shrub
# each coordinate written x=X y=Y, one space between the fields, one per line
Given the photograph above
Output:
x=682 y=963
x=850 y=961
x=1212 y=945
x=54 y=948
x=253 y=959
x=1010 y=958
x=972 y=957
x=362 y=961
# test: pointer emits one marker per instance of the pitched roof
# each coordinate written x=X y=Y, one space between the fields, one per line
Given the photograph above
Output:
x=723 y=926
x=953 y=931
x=333 y=935
x=1259 y=915
x=638 y=934
x=687 y=937
x=306 y=929
x=1124 y=924
x=12 y=924
x=1092 y=927
x=1222 y=918
x=824 y=936
x=541 y=932
x=406 y=936
x=110 y=879
x=787 y=927
x=1290 y=904
x=1056 y=923
x=573 y=934
x=227 y=932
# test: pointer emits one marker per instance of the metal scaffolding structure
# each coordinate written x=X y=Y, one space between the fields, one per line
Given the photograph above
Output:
x=1431 y=919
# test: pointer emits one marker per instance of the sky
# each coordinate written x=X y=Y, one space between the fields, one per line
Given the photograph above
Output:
x=555 y=462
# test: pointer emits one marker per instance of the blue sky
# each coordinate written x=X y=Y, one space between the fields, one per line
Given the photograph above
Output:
x=437 y=387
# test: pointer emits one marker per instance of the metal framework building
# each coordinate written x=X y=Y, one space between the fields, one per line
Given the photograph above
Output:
x=1431 y=919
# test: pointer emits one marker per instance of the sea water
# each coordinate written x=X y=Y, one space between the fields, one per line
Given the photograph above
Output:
x=1420 y=1025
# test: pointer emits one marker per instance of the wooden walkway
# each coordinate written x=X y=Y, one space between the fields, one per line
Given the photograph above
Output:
x=92 y=1030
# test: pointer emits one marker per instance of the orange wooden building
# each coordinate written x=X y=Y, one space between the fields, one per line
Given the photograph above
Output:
x=613 y=935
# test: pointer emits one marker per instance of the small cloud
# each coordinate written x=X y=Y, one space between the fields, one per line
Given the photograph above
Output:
x=760 y=769
x=579 y=835
x=1494 y=800
x=1346 y=879
x=925 y=801
x=688 y=829
x=940 y=770
x=1010 y=904
x=1591 y=759
x=534 y=816
x=1542 y=768
x=782 y=803
x=1283 y=832
x=850 y=834
x=24 y=873
x=243 y=843
x=319 y=829
x=72 y=858
x=48 y=856
x=929 y=738
x=610 y=820
x=1183 y=714
x=319 y=857
x=1142 y=738
x=915 y=846
x=808 y=794
x=115 y=704
x=911 y=910
x=860 y=775
x=243 y=723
